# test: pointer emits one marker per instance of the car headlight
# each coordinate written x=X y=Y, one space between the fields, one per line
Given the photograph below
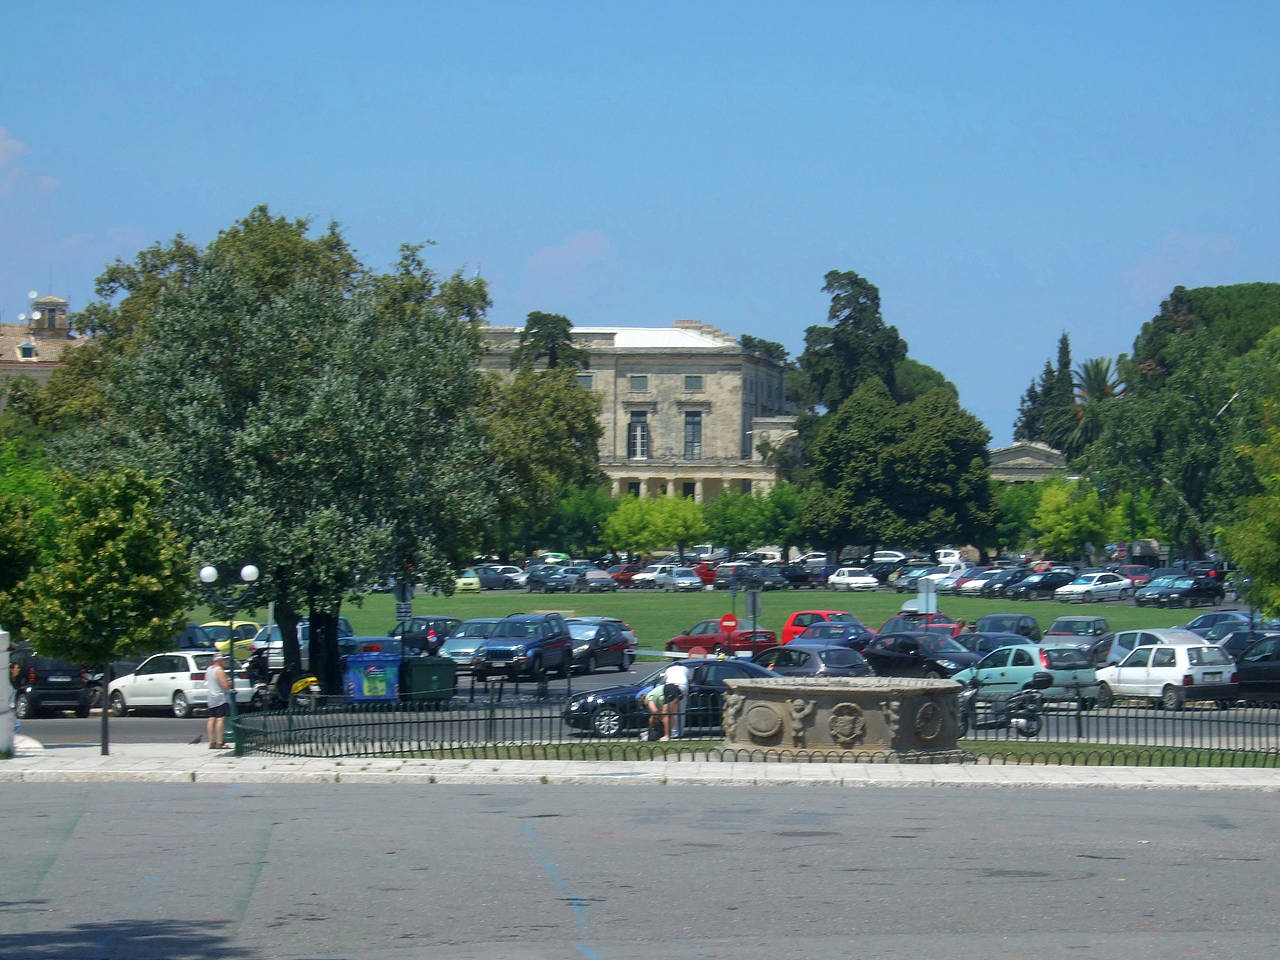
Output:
x=518 y=651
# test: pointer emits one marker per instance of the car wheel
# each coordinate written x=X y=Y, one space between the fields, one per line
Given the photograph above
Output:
x=536 y=668
x=95 y=696
x=606 y=721
x=1030 y=727
x=1088 y=597
x=625 y=665
x=1172 y=698
x=1124 y=594
x=1087 y=705
x=590 y=668
x=566 y=665
x=1105 y=697
x=118 y=707
x=671 y=648
x=181 y=705
x=932 y=675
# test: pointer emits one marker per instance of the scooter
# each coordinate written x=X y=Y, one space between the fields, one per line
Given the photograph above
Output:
x=1022 y=711
x=303 y=693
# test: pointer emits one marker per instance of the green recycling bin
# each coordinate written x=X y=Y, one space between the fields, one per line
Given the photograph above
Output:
x=428 y=678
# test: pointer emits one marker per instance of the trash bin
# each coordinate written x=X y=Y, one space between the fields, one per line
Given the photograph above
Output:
x=428 y=678
x=373 y=676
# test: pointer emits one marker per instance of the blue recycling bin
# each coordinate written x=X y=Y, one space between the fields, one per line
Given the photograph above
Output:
x=373 y=676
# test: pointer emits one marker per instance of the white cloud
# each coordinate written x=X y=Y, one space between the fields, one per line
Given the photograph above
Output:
x=14 y=176
x=567 y=269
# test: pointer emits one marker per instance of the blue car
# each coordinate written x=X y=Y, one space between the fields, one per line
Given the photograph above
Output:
x=1007 y=670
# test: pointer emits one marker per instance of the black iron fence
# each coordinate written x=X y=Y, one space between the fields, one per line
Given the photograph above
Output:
x=529 y=727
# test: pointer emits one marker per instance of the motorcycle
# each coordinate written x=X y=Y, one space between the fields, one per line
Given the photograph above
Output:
x=1022 y=711
x=300 y=694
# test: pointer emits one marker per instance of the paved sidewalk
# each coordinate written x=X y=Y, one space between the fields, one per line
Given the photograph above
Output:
x=196 y=763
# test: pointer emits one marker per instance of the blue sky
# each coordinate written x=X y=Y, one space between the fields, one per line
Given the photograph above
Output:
x=1002 y=172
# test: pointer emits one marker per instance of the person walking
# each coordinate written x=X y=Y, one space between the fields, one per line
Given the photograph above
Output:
x=218 y=684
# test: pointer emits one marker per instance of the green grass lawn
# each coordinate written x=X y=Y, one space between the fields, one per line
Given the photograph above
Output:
x=658 y=616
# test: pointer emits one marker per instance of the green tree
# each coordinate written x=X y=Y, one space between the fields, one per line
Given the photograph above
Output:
x=1253 y=542
x=680 y=522
x=732 y=520
x=633 y=526
x=1069 y=516
x=781 y=517
x=1047 y=411
x=1014 y=506
x=854 y=346
x=119 y=581
x=549 y=337
x=766 y=348
x=1095 y=385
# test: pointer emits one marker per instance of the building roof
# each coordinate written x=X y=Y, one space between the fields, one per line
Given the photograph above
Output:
x=659 y=338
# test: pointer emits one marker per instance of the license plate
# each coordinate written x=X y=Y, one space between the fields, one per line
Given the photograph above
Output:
x=59 y=679
x=1213 y=677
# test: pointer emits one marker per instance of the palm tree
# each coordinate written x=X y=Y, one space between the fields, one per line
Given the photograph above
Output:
x=1095 y=384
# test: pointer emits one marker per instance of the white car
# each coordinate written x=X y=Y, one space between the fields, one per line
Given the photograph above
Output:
x=973 y=586
x=1095 y=586
x=852 y=578
x=887 y=556
x=647 y=578
x=1169 y=675
x=170 y=681
x=512 y=573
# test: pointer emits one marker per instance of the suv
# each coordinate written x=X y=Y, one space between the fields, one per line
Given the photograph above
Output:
x=43 y=683
x=530 y=644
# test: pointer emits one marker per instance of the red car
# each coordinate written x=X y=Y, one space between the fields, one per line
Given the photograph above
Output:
x=748 y=638
x=798 y=621
x=1137 y=573
x=706 y=572
x=623 y=572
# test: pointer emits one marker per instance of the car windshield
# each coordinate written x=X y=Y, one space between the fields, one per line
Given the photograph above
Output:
x=841 y=657
x=460 y=641
x=1077 y=628
x=582 y=631
x=1208 y=656
x=1087 y=578
x=1183 y=582
x=474 y=630
x=514 y=628
x=1161 y=582
x=843 y=618
x=685 y=572
x=1034 y=578
x=936 y=644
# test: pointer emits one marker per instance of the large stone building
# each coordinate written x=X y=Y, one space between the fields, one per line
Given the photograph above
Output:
x=35 y=344
x=684 y=408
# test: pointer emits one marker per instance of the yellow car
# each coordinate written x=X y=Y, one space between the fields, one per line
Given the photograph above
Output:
x=244 y=630
x=467 y=582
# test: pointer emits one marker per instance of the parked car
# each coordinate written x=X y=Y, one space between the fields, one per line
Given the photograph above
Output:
x=984 y=643
x=460 y=646
x=628 y=634
x=242 y=630
x=798 y=621
x=46 y=684
x=1169 y=675
x=527 y=644
x=1237 y=642
x=1091 y=587
x=173 y=682
x=971 y=584
x=1009 y=669
x=588 y=579
x=548 y=578
x=919 y=654
x=1112 y=650
x=907 y=577
x=678 y=580
x=423 y=635
x=1192 y=591
x=749 y=638
x=613 y=711
x=852 y=633
x=706 y=571
x=467 y=581
x=908 y=621
x=623 y=573
x=1089 y=633
x=1002 y=580
x=885 y=570
x=1135 y=573
x=515 y=575
x=1039 y=585
x=814 y=660
x=734 y=574
x=647 y=579
x=491 y=578
x=1219 y=623
x=809 y=575
x=852 y=578
x=1023 y=623
x=598 y=643
x=1258 y=670
x=268 y=638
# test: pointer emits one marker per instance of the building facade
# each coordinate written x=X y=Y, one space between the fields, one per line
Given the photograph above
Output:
x=34 y=346
x=684 y=409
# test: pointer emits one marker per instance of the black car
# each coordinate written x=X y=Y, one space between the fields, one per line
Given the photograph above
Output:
x=800 y=575
x=423 y=635
x=612 y=711
x=1020 y=623
x=549 y=578
x=799 y=659
x=1039 y=585
x=836 y=633
x=917 y=655
x=527 y=644
x=999 y=584
x=1258 y=670
x=1237 y=642
x=735 y=575
x=598 y=643
x=43 y=684
x=1184 y=591
x=767 y=577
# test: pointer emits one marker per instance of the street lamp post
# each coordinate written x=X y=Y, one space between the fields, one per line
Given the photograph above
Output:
x=230 y=598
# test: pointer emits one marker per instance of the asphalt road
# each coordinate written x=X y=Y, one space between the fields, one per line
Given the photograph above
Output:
x=340 y=871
